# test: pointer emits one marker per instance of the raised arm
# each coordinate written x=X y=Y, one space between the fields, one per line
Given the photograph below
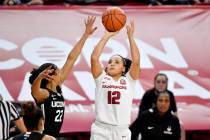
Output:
x=40 y=93
x=77 y=48
x=96 y=67
x=135 y=55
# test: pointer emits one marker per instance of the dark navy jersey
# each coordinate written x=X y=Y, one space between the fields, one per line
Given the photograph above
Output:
x=29 y=136
x=53 y=109
x=152 y=126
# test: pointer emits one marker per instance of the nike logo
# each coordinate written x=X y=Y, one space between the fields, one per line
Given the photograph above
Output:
x=150 y=127
x=53 y=95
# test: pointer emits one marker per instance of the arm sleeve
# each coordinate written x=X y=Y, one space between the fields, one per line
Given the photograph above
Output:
x=178 y=129
x=135 y=127
x=14 y=113
x=144 y=105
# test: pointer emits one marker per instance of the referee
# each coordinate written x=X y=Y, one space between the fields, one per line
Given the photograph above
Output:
x=9 y=113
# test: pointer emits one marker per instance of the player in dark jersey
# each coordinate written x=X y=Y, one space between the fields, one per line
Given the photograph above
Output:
x=53 y=107
x=46 y=84
x=34 y=121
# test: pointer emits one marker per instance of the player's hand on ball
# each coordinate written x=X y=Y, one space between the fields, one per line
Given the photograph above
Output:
x=110 y=34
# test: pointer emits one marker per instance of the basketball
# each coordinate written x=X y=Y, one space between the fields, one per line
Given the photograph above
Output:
x=113 y=19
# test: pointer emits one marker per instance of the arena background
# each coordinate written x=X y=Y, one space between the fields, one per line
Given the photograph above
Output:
x=172 y=40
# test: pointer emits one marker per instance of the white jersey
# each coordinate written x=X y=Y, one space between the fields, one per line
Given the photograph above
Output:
x=114 y=99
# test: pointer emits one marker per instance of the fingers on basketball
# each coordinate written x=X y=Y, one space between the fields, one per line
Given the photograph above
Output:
x=114 y=19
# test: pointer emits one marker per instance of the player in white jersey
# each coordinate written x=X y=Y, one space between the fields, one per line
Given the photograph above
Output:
x=114 y=90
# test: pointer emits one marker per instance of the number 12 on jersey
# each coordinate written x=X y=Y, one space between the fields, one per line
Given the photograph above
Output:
x=113 y=97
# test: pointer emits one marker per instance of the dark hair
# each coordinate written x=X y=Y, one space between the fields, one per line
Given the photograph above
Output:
x=35 y=72
x=163 y=92
x=32 y=115
x=161 y=74
x=127 y=64
x=166 y=77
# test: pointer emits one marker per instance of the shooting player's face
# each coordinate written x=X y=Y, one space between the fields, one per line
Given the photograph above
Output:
x=115 y=66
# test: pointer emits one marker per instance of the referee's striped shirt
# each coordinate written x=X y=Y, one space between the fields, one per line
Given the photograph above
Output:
x=7 y=113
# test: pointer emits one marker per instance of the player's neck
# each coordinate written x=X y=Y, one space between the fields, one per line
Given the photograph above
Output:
x=52 y=87
x=116 y=78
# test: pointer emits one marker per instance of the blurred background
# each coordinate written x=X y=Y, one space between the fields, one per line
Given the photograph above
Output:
x=172 y=35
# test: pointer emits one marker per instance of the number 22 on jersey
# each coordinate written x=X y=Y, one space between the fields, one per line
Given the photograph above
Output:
x=59 y=115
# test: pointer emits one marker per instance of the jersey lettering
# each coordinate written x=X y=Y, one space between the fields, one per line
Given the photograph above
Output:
x=57 y=104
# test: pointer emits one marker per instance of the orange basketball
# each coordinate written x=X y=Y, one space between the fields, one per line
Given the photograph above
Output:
x=113 y=19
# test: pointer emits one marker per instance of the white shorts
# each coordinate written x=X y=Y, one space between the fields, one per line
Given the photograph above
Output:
x=101 y=131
